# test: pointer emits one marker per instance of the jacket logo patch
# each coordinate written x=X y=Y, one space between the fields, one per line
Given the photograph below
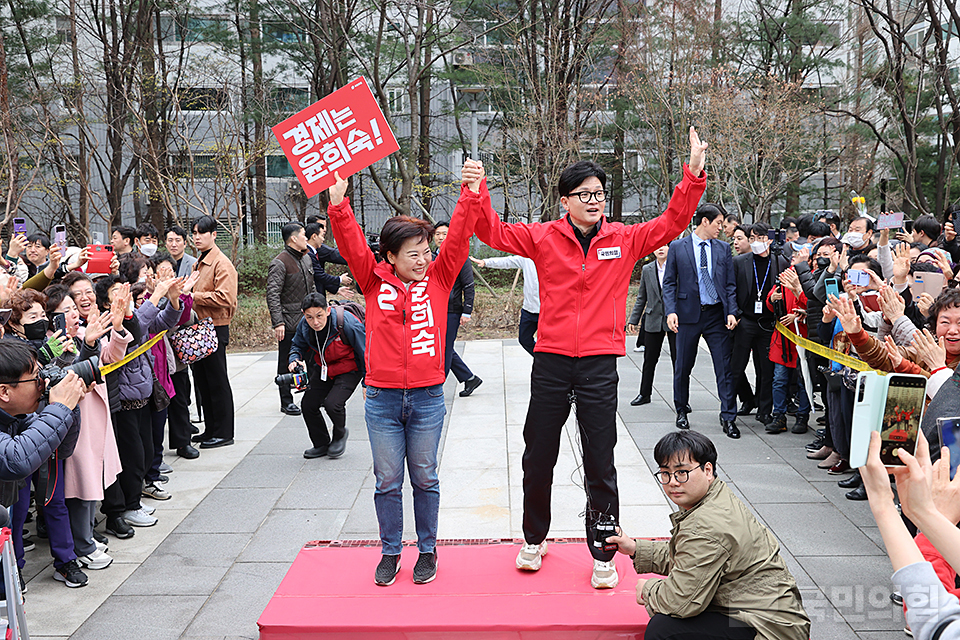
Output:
x=608 y=253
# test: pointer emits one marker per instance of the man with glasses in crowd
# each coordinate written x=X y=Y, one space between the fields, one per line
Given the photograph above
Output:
x=724 y=576
x=584 y=264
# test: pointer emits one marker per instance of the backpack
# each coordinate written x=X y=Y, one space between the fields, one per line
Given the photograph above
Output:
x=348 y=305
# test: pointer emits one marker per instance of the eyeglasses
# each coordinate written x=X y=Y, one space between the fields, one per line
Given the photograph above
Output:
x=682 y=475
x=587 y=196
x=38 y=381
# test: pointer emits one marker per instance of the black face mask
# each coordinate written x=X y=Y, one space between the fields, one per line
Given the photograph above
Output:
x=823 y=263
x=36 y=330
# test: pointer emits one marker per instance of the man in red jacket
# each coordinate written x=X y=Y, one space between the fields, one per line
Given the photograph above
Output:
x=584 y=264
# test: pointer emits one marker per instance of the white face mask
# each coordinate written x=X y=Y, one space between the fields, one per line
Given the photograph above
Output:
x=853 y=239
x=148 y=249
x=758 y=247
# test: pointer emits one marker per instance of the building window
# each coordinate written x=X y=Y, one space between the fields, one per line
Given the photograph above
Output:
x=278 y=167
x=197 y=167
x=290 y=99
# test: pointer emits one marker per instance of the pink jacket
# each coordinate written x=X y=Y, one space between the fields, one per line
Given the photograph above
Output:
x=95 y=462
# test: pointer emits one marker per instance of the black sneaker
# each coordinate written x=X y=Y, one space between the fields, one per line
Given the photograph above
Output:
x=426 y=568
x=71 y=575
x=23 y=585
x=387 y=570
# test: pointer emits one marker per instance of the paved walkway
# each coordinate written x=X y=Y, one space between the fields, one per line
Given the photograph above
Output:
x=239 y=515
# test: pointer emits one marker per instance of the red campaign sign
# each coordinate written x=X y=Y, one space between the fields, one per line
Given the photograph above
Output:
x=345 y=132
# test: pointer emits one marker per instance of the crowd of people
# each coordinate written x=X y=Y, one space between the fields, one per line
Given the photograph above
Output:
x=104 y=440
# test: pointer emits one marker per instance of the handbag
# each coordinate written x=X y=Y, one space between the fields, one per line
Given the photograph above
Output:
x=159 y=399
x=195 y=342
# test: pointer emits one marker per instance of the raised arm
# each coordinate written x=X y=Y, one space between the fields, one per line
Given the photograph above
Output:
x=350 y=238
x=456 y=249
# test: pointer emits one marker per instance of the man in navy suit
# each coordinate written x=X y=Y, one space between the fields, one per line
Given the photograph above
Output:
x=700 y=299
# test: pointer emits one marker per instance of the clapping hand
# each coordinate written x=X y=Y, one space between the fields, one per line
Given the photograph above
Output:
x=847 y=314
x=932 y=352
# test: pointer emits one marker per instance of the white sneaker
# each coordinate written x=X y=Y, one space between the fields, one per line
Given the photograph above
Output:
x=100 y=546
x=96 y=560
x=604 y=575
x=139 y=519
x=638 y=349
x=147 y=509
x=531 y=556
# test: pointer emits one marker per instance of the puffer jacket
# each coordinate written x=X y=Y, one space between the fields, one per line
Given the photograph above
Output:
x=135 y=379
x=289 y=280
x=26 y=442
x=719 y=558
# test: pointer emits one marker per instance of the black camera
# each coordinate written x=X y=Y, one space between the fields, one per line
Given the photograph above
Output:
x=88 y=371
x=373 y=241
x=298 y=379
x=603 y=528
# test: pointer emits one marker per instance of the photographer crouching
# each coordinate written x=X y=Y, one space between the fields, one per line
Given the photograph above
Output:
x=328 y=348
x=28 y=439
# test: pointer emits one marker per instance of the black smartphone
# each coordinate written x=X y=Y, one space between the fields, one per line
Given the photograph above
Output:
x=901 y=417
x=908 y=226
x=59 y=323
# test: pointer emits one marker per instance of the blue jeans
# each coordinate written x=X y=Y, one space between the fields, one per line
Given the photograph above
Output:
x=406 y=423
x=781 y=386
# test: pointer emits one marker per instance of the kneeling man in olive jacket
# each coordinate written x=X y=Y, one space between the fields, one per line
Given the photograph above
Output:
x=724 y=574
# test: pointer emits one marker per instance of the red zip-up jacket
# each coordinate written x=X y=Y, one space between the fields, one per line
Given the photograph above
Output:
x=583 y=299
x=406 y=328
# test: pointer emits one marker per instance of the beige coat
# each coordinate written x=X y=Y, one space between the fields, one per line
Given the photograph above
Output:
x=215 y=293
x=95 y=462
x=719 y=558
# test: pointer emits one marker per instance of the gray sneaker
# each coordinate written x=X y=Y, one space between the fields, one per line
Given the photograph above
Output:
x=139 y=519
x=165 y=468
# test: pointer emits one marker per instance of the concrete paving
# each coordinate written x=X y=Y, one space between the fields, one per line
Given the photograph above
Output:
x=240 y=514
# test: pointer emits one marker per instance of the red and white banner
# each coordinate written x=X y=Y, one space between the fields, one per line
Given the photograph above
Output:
x=345 y=132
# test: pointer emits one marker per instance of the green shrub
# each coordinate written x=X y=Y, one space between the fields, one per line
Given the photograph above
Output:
x=252 y=264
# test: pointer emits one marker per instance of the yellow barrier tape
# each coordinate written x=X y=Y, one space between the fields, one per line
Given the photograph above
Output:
x=820 y=350
x=142 y=349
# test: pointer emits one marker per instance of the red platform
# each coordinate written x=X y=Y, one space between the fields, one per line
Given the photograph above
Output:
x=478 y=594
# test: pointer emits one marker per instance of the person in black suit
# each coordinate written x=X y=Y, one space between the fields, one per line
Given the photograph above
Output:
x=699 y=296
x=648 y=317
x=755 y=274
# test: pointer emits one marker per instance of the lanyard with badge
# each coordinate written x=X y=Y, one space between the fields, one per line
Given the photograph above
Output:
x=758 y=305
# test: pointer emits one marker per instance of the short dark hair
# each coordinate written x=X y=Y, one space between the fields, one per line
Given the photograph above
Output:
x=574 y=175
x=131 y=264
x=41 y=238
x=759 y=229
x=160 y=258
x=147 y=229
x=289 y=230
x=803 y=224
x=928 y=226
x=745 y=230
x=948 y=299
x=830 y=241
x=205 y=224
x=177 y=229
x=102 y=289
x=316 y=217
x=441 y=223
x=74 y=277
x=399 y=229
x=312 y=300
x=128 y=233
x=21 y=301
x=311 y=229
x=697 y=446
x=870 y=225
x=708 y=210
x=17 y=359
x=732 y=217
x=787 y=222
x=56 y=293
x=818 y=229
x=863 y=258
x=831 y=216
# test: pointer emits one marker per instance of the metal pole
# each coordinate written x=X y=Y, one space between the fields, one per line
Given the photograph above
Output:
x=473 y=142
